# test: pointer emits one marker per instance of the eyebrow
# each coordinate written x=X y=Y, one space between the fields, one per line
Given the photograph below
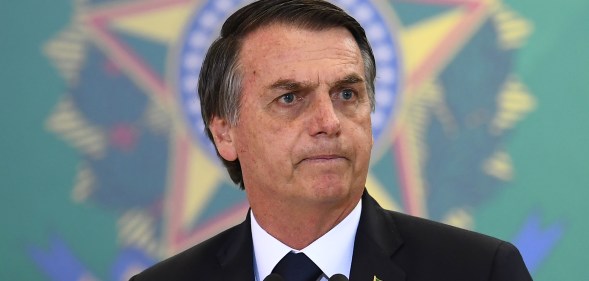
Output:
x=292 y=85
x=349 y=79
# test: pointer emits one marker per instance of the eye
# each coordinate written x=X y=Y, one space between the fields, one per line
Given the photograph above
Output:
x=287 y=98
x=346 y=94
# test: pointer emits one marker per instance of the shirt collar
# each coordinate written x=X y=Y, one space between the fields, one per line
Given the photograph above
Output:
x=332 y=252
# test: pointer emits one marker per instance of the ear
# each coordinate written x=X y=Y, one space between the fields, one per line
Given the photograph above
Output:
x=221 y=130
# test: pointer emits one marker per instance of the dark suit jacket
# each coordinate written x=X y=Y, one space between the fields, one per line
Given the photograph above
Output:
x=389 y=246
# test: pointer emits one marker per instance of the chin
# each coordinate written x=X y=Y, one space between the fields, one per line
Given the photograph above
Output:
x=331 y=190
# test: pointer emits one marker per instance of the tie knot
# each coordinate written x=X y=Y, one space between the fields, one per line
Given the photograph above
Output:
x=297 y=267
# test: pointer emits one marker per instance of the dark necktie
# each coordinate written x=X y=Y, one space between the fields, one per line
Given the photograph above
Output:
x=297 y=267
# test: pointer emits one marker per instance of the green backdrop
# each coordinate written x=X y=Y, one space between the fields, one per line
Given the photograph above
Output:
x=51 y=232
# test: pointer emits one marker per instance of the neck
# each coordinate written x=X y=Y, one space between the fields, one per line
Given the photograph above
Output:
x=297 y=225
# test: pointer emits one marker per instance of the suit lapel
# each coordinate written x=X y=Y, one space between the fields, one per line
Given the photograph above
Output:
x=236 y=257
x=376 y=242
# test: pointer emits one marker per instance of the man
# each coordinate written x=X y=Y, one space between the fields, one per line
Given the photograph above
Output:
x=286 y=94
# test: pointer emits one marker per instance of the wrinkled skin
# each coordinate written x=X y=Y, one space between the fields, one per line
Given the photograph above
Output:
x=303 y=136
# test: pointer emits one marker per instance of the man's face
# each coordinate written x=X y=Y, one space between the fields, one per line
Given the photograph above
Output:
x=303 y=135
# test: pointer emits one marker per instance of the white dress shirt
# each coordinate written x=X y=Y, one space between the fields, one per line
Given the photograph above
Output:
x=332 y=252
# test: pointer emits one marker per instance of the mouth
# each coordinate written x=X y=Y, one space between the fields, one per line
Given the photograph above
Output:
x=330 y=158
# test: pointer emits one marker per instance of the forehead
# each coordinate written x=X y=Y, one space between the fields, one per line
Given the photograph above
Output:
x=279 y=50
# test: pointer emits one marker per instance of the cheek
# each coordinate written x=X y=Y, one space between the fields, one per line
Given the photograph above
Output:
x=278 y=140
x=362 y=121
x=363 y=137
x=263 y=140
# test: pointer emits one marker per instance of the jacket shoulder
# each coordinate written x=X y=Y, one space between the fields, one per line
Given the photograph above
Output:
x=199 y=261
x=452 y=251
x=427 y=232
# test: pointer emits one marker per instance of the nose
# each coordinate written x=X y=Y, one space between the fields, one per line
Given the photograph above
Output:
x=323 y=117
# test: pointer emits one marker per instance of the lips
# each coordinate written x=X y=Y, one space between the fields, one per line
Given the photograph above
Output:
x=324 y=153
x=323 y=158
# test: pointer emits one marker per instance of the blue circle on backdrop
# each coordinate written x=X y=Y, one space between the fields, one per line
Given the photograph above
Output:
x=203 y=28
